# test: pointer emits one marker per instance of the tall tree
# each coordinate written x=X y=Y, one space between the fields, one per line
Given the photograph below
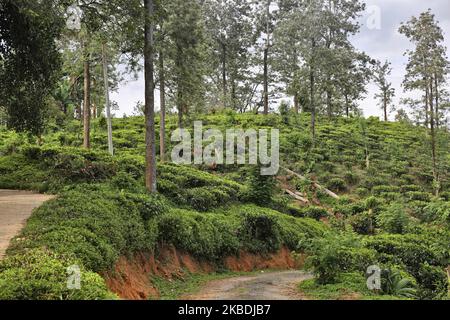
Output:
x=29 y=61
x=230 y=29
x=186 y=55
x=427 y=62
x=150 y=172
x=387 y=93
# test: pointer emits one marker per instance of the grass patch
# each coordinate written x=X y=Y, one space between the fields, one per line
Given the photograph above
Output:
x=349 y=286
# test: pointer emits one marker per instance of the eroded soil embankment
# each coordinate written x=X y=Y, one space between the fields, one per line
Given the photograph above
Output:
x=131 y=277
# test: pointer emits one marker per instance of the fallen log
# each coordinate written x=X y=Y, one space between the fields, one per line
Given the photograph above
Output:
x=296 y=196
x=318 y=186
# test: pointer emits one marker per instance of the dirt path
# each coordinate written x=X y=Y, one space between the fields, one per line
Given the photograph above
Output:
x=15 y=209
x=264 y=286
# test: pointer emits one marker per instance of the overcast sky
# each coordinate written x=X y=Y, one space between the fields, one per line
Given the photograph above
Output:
x=379 y=38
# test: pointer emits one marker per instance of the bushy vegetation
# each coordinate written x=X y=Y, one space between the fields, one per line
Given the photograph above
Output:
x=387 y=214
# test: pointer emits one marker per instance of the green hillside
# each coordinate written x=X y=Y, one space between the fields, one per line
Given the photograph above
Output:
x=386 y=212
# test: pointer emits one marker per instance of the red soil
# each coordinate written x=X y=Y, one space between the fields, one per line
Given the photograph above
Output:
x=131 y=277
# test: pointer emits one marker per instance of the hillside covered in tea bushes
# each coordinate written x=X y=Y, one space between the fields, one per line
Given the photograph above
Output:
x=387 y=212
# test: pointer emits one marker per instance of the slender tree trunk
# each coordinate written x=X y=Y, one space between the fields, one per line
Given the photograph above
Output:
x=329 y=104
x=312 y=91
x=385 y=106
x=266 y=62
x=107 y=102
x=162 y=95
x=150 y=171
x=427 y=101
x=266 y=82
x=347 y=106
x=224 y=75
x=296 y=103
x=180 y=108
x=436 y=88
x=87 y=103
x=233 y=94
x=312 y=104
x=433 y=139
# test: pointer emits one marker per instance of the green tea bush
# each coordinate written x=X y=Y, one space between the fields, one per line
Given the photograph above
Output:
x=394 y=219
x=43 y=275
x=379 y=190
x=418 y=196
x=204 y=235
x=313 y=212
x=433 y=282
x=96 y=227
x=260 y=232
x=337 y=184
x=336 y=254
x=363 y=223
x=408 y=250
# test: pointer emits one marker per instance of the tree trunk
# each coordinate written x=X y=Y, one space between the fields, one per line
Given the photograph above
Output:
x=107 y=102
x=433 y=138
x=347 y=106
x=233 y=94
x=224 y=75
x=427 y=101
x=329 y=104
x=162 y=125
x=312 y=104
x=312 y=81
x=87 y=103
x=266 y=82
x=150 y=170
x=180 y=108
x=266 y=62
x=385 y=106
x=296 y=103
x=436 y=107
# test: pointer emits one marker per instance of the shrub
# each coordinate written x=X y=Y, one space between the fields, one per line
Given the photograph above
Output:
x=316 y=213
x=433 y=282
x=260 y=232
x=418 y=196
x=338 y=253
x=351 y=178
x=407 y=250
x=373 y=203
x=42 y=275
x=337 y=184
x=436 y=211
x=363 y=223
x=201 y=199
x=90 y=222
x=125 y=181
x=379 y=190
x=394 y=219
x=209 y=236
x=393 y=283
x=262 y=188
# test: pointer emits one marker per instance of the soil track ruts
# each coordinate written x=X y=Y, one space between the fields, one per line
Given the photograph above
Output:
x=15 y=208
x=265 y=286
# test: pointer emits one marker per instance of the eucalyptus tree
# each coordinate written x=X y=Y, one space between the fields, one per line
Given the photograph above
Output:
x=387 y=92
x=425 y=71
x=186 y=53
x=352 y=79
x=230 y=27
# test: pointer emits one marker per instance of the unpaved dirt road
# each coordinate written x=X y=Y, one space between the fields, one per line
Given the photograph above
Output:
x=264 y=286
x=15 y=209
